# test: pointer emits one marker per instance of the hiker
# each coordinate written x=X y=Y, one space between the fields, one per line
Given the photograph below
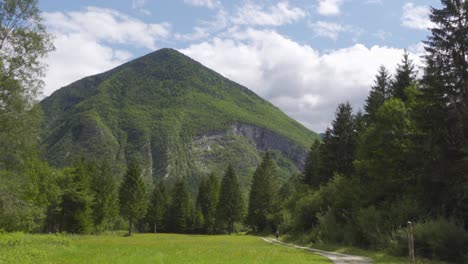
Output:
x=277 y=234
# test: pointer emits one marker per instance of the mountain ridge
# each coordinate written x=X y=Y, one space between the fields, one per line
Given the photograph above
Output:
x=152 y=108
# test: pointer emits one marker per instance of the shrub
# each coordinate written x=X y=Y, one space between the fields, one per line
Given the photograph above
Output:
x=435 y=239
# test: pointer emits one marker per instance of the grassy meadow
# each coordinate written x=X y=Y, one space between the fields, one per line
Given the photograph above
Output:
x=147 y=248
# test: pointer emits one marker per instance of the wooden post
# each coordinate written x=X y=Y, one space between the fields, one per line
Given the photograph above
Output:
x=411 y=243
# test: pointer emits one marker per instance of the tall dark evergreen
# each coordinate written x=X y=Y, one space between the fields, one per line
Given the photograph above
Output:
x=133 y=196
x=76 y=200
x=312 y=173
x=380 y=92
x=339 y=146
x=207 y=201
x=230 y=206
x=179 y=215
x=443 y=112
x=262 y=195
x=106 y=196
x=157 y=210
x=405 y=76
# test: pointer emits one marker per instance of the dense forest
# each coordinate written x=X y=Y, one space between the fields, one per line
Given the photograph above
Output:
x=403 y=158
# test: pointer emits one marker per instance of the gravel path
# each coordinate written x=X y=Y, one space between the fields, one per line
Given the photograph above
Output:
x=337 y=258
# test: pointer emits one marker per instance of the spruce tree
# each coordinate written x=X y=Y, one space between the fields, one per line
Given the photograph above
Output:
x=230 y=205
x=179 y=210
x=207 y=200
x=312 y=175
x=380 y=92
x=158 y=207
x=442 y=114
x=262 y=194
x=341 y=144
x=405 y=76
x=106 y=196
x=133 y=196
x=76 y=200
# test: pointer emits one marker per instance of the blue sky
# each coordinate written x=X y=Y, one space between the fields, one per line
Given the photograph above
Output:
x=304 y=56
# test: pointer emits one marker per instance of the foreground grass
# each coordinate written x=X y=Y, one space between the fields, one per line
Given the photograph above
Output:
x=147 y=248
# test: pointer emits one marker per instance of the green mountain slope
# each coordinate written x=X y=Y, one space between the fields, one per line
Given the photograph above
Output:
x=178 y=117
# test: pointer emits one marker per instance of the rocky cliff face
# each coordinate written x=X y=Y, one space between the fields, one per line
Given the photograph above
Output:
x=260 y=138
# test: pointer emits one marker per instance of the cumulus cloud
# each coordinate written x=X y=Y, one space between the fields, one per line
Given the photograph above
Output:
x=84 y=40
x=329 y=7
x=211 y=4
x=281 y=13
x=248 y=14
x=327 y=29
x=416 y=17
x=306 y=84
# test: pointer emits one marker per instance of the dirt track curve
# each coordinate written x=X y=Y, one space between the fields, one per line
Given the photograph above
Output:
x=337 y=258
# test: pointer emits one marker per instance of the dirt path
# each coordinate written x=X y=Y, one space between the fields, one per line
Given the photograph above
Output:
x=337 y=258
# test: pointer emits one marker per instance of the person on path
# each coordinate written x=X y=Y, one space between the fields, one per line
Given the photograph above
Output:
x=277 y=234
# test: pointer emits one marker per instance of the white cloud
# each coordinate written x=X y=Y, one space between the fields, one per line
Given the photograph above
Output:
x=281 y=13
x=107 y=25
x=298 y=79
x=329 y=7
x=83 y=42
x=328 y=29
x=211 y=4
x=140 y=6
x=416 y=17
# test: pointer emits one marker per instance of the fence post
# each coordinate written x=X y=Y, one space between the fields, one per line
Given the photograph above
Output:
x=411 y=243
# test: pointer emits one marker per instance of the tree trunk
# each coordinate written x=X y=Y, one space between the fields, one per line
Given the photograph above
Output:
x=130 y=227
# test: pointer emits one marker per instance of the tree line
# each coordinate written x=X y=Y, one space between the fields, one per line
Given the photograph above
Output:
x=404 y=158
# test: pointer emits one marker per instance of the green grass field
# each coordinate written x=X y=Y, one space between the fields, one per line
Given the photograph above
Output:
x=147 y=248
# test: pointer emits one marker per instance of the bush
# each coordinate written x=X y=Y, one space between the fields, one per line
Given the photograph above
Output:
x=436 y=239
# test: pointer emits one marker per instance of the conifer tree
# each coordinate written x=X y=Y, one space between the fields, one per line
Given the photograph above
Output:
x=106 y=200
x=158 y=207
x=380 y=92
x=76 y=200
x=230 y=206
x=179 y=210
x=133 y=196
x=405 y=76
x=262 y=195
x=443 y=111
x=339 y=146
x=207 y=200
x=312 y=175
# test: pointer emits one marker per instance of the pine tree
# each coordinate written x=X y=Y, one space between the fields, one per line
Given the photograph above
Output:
x=312 y=175
x=230 y=206
x=207 y=200
x=180 y=208
x=404 y=77
x=262 y=195
x=380 y=92
x=443 y=112
x=340 y=143
x=106 y=200
x=76 y=200
x=133 y=196
x=158 y=207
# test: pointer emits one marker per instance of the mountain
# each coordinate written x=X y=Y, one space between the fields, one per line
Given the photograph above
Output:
x=177 y=117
